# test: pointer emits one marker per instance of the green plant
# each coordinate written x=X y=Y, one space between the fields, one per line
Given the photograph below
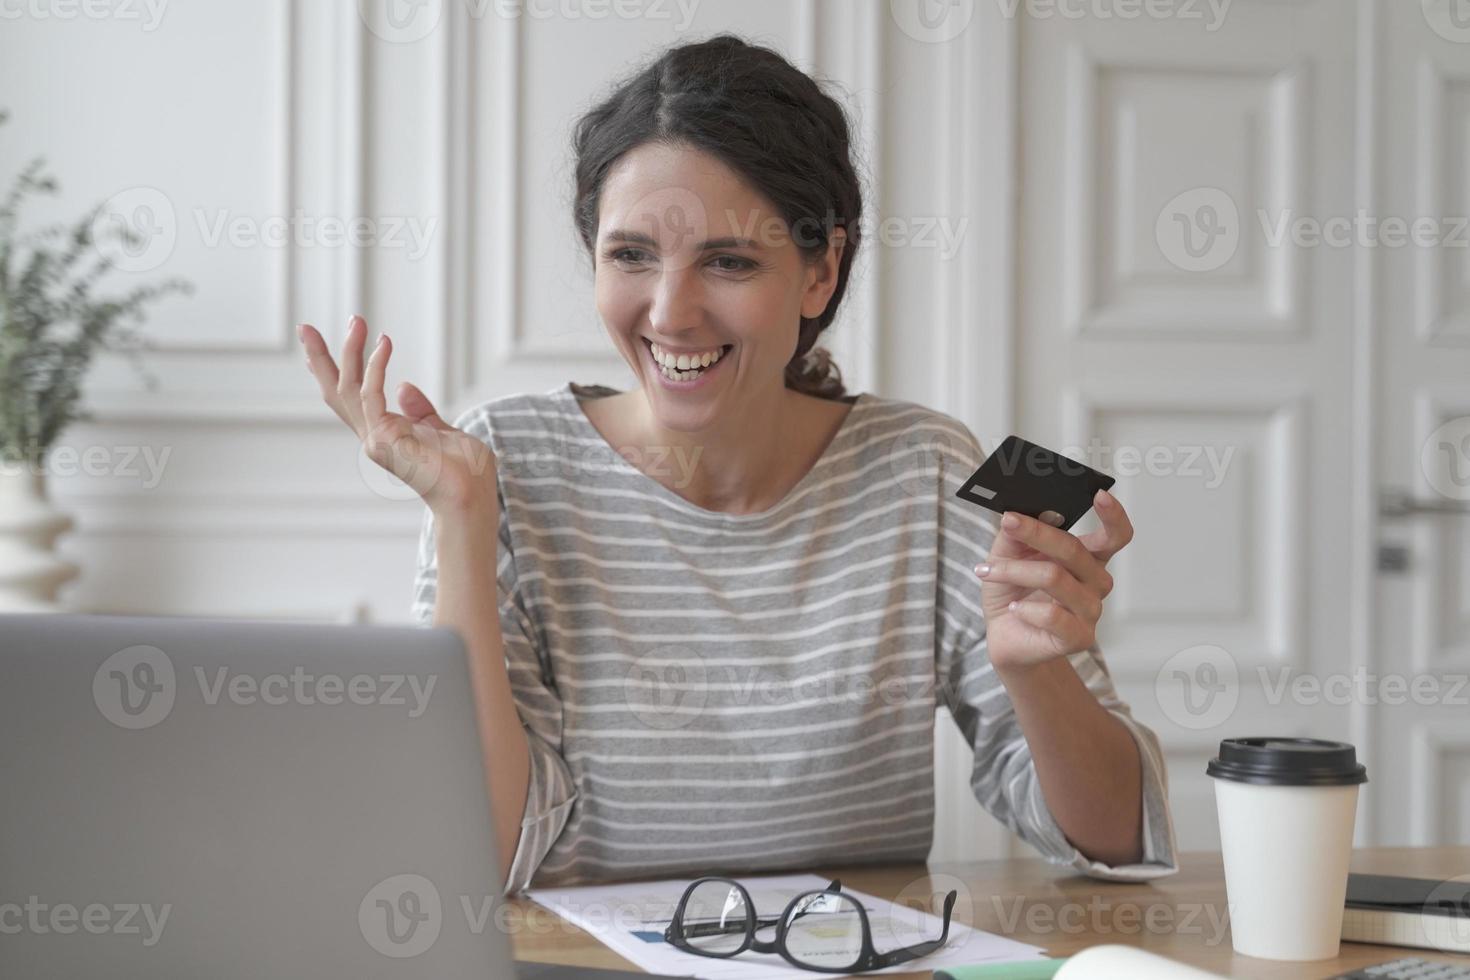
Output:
x=51 y=324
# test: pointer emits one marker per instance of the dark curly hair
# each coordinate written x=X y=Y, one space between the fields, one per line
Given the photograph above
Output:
x=766 y=120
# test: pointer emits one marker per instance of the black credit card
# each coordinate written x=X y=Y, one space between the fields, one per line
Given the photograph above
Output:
x=1032 y=480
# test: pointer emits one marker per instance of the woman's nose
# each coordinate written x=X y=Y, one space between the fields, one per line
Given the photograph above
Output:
x=677 y=299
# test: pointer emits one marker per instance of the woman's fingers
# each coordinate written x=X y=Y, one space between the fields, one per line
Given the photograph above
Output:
x=1050 y=578
x=349 y=377
x=1058 y=628
x=319 y=362
x=352 y=351
x=318 y=359
x=374 y=404
x=1117 y=529
x=417 y=407
x=1061 y=546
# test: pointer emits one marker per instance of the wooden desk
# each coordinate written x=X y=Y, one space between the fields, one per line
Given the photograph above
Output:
x=1182 y=916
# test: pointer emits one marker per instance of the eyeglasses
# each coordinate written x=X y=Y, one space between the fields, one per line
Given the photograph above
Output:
x=824 y=930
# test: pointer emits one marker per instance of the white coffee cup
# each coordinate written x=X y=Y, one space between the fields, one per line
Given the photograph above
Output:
x=1287 y=807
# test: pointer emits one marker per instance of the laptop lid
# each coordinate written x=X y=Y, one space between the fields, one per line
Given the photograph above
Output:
x=191 y=798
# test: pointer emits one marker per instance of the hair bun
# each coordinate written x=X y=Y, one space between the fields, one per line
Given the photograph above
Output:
x=815 y=373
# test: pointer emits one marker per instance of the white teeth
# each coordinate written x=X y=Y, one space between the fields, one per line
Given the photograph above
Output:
x=684 y=367
x=685 y=362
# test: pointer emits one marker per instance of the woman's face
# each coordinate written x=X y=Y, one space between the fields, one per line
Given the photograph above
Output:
x=692 y=261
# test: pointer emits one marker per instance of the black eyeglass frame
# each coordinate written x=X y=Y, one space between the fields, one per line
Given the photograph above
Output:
x=868 y=957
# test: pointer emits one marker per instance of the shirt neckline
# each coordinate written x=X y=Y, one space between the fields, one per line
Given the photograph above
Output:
x=568 y=392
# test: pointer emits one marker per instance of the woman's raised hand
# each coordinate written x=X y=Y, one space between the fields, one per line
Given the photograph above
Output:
x=450 y=469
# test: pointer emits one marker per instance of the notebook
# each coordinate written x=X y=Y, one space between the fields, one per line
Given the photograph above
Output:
x=1420 y=912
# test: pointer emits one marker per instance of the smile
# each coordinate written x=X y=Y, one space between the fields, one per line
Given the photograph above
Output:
x=685 y=368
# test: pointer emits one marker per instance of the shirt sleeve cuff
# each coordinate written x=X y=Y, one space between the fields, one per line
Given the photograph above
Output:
x=549 y=800
x=1160 y=850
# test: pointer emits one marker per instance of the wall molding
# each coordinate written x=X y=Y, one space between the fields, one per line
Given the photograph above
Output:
x=1281 y=311
x=1437 y=323
x=1432 y=742
x=1284 y=421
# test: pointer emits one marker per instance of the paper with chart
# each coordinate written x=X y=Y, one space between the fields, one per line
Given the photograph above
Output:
x=630 y=918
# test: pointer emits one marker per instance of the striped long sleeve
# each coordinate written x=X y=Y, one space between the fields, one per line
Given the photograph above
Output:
x=551 y=792
x=1004 y=777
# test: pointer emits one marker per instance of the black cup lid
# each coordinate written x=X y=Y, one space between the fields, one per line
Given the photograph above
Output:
x=1287 y=762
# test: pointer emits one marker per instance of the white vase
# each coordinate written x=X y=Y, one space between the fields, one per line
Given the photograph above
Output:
x=31 y=573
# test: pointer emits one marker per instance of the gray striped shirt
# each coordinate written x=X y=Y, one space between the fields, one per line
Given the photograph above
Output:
x=728 y=693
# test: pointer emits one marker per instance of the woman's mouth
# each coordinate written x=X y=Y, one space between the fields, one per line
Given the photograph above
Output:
x=684 y=370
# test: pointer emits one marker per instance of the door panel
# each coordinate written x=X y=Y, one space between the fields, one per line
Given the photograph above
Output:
x=1173 y=332
x=1424 y=383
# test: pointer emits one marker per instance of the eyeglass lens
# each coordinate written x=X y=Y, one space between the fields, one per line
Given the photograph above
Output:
x=825 y=930
x=716 y=918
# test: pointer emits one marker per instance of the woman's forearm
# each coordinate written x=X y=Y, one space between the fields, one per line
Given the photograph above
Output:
x=1086 y=760
x=467 y=550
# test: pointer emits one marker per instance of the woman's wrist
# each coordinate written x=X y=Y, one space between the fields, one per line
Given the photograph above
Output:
x=479 y=508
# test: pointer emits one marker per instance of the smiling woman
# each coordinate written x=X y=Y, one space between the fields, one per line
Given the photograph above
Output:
x=733 y=664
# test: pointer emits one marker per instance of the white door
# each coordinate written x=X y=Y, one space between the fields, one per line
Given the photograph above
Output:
x=1421 y=720
x=1173 y=330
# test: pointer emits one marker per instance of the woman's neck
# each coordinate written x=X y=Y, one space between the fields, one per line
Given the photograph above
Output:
x=745 y=461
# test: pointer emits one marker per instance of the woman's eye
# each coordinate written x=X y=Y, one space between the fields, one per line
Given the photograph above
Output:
x=638 y=255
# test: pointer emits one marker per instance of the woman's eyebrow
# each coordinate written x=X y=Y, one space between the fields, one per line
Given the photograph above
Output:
x=639 y=238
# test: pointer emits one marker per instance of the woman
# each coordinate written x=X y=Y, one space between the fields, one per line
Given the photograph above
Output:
x=718 y=647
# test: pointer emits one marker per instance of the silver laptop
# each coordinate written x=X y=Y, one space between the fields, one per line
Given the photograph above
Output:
x=210 y=798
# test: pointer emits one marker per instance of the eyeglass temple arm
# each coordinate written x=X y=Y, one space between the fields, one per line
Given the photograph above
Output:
x=924 y=948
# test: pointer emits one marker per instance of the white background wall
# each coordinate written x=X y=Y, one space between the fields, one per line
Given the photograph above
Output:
x=1045 y=141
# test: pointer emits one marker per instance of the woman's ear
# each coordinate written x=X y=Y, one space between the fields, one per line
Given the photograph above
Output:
x=824 y=276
